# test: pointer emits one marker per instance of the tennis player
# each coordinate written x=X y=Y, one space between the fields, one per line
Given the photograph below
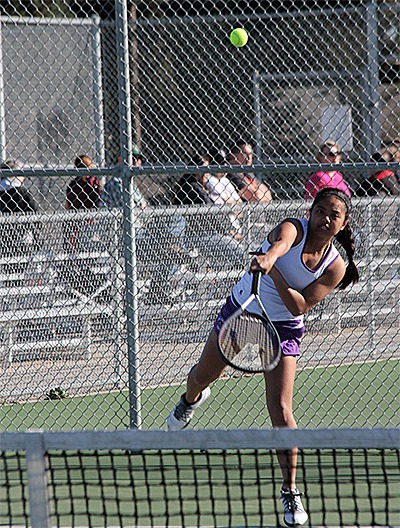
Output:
x=300 y=267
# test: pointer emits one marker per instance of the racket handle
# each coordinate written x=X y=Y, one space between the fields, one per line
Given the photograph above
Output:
x=255 y=285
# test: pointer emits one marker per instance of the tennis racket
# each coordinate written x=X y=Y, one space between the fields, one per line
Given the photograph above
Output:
x=249 y=342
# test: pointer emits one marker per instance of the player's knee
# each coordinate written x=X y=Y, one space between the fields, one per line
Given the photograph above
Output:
x=281 y=414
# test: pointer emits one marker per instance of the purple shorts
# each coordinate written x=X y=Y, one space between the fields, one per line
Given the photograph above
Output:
x=290 y=337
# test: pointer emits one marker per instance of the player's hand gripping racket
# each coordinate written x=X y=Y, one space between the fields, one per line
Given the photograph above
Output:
x=250 y=342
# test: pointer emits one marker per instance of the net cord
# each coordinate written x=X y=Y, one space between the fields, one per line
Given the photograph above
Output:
x=379 y=438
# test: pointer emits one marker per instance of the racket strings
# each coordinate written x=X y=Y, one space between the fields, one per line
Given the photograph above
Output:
x=249 y=342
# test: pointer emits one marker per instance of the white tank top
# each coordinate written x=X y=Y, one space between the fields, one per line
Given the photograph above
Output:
x=296 y=274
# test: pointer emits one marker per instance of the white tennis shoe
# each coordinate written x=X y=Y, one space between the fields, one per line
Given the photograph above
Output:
x=294 y=512
x=182 y=414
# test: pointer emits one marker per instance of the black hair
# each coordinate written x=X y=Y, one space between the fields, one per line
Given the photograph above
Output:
x=344 y=237
x=378 y=158
x=199 y=160
x=217 y=157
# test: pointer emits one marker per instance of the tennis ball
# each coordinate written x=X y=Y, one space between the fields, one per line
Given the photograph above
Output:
x=239 y=37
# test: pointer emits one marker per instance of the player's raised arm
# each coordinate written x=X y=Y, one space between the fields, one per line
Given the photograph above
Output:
x=282 y=238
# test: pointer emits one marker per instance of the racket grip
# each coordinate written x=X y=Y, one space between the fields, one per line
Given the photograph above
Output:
x=255 y=285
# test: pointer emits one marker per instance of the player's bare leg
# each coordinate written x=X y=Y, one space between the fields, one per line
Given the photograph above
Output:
x=279 y=392
x=207 y=370
x=279 y=385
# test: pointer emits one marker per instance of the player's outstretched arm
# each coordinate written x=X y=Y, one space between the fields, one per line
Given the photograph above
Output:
x=281 y=238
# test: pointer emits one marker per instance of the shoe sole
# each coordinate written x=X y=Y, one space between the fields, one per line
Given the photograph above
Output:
x=288 y=524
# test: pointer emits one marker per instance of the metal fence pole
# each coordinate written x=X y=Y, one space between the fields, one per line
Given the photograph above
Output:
x=257 y=116
x=374 y=142
x=117 y=279
x=370 y=284
x=95 y=33
x=2 y=107
x=122 y=40
x=37 y=481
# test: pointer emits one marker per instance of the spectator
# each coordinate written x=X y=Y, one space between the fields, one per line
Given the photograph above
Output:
x=17 y=238
x=394 y=149
x=112 y=194
x=192 y=188
x=222 y=191
x=382 y=182
x=14 y=197
x=329 y=153
x=248 y=186
x=84 y=191
x=206 y=232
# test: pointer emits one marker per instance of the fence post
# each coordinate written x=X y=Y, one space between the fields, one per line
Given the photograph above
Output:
x=117 y=287
x=95 y=33
x=374 y=142
x=370 y=284
x=37 y=480
x=121 y=16
x=2 y=105
x=257 y=116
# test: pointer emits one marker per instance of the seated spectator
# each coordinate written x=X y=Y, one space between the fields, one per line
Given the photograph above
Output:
x=192 y=188
x=248 y=186
x=381 y=182
x=394 y=149
x=14 y=197
x=84 y=191
x=329 y=153
x=208 y=235
x=17 y=238
x=112 y=193
x=222 y=191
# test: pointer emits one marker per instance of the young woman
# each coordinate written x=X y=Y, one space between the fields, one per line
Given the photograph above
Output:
x=300 y=267
x=329 y=152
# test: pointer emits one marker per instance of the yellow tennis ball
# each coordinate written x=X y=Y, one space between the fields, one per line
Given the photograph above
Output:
x=239 y=37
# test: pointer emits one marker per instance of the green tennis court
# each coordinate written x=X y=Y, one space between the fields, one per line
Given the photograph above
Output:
x=319 y=393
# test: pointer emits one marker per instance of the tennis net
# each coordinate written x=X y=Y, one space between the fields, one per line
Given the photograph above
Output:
x=349 y=477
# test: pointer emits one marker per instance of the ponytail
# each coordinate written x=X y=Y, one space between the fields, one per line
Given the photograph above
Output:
x=346 y=239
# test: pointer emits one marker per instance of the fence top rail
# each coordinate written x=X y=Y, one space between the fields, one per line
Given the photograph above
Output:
x=47 y=21
x=237 y=18
x=181 y=168
x=206 y=439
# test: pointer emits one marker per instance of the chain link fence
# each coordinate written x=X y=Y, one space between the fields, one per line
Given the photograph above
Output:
x=110 y=277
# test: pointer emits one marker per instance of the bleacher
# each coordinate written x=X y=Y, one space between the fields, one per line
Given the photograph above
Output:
x=56 y=298
x=57 y=301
